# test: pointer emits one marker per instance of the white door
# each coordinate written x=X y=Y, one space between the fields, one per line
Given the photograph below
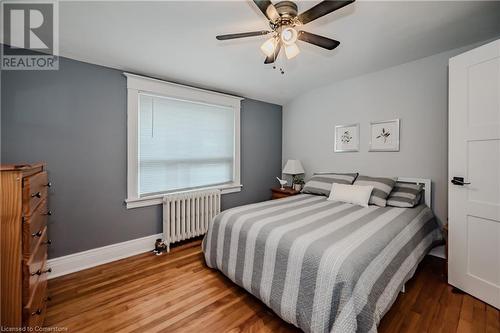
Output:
x=474 y=155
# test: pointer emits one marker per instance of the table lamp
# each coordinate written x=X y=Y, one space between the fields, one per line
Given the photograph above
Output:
x=293 y=168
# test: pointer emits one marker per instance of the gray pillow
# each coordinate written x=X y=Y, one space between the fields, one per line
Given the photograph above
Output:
x=321 y=183
x=381 y=188
x=405 y=195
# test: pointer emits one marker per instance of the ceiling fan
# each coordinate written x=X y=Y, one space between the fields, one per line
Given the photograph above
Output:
x=284 y=20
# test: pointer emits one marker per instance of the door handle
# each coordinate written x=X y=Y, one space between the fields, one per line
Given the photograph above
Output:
x=459 y=181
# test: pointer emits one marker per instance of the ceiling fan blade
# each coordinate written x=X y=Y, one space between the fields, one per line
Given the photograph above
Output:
x=318 y=40
x=267 y=8
x=243 y=35
x=321 y=9
x=274 y=56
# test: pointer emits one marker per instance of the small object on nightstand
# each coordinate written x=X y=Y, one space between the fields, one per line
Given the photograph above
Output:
x=298 y=182
x=283 y=193
x=282 y=183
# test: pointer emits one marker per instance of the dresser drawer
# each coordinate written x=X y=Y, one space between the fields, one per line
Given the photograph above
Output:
x=35 y=268
x=33 y=227
x=31 y=281
x=35 y=309
x=34 y=191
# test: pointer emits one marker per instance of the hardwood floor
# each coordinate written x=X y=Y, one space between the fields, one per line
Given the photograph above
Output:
x=178 y=293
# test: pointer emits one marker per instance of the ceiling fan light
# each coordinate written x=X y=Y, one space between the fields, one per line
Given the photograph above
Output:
x=289 y=36
x=269 y=46
x=291 y=51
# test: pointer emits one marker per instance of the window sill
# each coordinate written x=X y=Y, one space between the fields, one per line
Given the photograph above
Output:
x=158 y=199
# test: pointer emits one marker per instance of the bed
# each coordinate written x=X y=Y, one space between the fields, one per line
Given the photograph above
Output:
x=322 y=265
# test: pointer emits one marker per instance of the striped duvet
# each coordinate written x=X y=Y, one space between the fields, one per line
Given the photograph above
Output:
x=321 y=265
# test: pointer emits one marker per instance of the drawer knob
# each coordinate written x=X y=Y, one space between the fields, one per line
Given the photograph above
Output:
x=37 y=312
x=37 y=234
x=49 y=184
x=40 y=272
x=37 y=194
x=49 y=212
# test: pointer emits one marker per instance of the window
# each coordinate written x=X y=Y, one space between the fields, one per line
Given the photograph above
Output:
x=179 y=138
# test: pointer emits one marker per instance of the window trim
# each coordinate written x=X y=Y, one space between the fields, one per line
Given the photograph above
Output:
x=140 y=84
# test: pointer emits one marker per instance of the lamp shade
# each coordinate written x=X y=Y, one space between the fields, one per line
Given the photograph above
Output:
x=269 y=46
x=291 y=51
x=293 y=167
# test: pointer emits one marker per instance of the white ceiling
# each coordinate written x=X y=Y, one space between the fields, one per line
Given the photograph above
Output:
x=176 y=41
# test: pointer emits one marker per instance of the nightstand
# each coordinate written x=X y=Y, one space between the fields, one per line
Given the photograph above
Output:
x=286 y=192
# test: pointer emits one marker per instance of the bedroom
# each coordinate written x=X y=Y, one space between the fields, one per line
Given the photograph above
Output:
x=125 y=122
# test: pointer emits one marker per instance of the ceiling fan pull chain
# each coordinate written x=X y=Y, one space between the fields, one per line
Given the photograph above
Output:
x=275 y=53
x=282 y=64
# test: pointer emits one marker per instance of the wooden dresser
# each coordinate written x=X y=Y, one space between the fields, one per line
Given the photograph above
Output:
x=23 y=199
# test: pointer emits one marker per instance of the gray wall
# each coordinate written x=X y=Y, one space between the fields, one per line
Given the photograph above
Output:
x=75 y=120
x=416 y=92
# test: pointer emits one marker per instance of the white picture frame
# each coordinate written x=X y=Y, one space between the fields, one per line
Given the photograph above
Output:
x=384 y=135
x=346 y=138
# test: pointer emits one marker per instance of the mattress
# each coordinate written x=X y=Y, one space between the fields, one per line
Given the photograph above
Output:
x=321 y=265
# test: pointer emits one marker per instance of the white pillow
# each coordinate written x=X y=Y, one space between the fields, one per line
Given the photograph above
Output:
x=354 y=194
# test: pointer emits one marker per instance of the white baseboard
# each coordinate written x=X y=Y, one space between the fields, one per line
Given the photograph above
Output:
x=78 y=261
x=82 y=260
x=438 y=251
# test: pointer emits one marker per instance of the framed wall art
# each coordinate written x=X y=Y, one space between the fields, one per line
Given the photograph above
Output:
x=346 y=138
x=384 y=135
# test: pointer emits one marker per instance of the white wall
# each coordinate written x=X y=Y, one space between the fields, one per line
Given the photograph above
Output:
x=415 y=92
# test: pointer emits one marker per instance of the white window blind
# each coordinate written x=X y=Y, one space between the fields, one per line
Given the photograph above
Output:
x=183 y=144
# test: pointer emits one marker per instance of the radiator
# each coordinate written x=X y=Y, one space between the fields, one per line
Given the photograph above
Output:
x=187 y=215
